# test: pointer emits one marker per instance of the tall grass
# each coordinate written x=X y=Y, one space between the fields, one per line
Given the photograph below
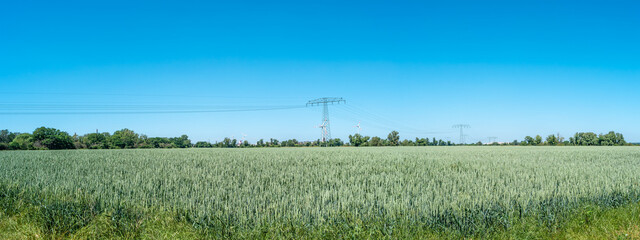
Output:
x=467 y=190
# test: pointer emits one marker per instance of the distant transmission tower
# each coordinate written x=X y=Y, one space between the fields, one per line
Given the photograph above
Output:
x=461 y=126
x=325 y=126
x=492 y=139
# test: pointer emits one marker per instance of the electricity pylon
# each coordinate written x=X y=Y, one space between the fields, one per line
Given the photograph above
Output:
x=325 y=126
x=461 y=126
x=492 y=139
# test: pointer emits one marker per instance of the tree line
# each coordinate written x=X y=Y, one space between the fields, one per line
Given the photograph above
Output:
x=393 y=139
x=579 y=139
x=51 y=138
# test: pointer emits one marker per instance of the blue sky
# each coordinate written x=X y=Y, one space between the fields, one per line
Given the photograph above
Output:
x=507 y=68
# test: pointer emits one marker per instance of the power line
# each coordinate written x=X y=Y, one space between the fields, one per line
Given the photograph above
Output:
x=374 y=119
x=148 y=95
x=382 y=122
x=29 y=106
x=152 y=112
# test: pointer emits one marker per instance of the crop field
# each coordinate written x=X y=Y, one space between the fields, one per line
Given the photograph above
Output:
x=463 y=190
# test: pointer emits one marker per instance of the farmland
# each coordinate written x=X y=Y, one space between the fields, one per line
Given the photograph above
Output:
x=390 y=192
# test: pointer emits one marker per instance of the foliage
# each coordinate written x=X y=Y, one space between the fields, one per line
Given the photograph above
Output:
x=182 y=141
x=51 y=138
x=375 y=142
x=159 y=142
x=358 y=140
x=551 y=140
x=394 y=138
x=6 y=136
x=23 y=141
x=335 y=142
x=611 y=139
x=203 y=144
x=538 y=140
x=591 y=139
x=528 y=141
x=124 y=138
x=96 y=140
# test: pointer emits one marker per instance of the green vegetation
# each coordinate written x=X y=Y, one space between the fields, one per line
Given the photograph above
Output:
x=51 y=138
x=491 y=192
x=579 y=139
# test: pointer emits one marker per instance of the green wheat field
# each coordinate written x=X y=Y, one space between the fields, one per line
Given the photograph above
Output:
x=395 y=192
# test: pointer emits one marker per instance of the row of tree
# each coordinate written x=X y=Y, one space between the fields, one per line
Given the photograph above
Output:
x=51 y=138
x=393 y=139
x=233 y=143
x=579 y=139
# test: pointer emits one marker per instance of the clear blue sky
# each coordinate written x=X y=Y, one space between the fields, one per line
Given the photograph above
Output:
x=507 y=68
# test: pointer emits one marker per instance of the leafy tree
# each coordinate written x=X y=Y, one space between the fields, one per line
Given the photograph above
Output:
x=226 y=143
x=407 y=142
x=124 y=138
x=96 y=140
x=552 y=140
x=181 y=142
x=586 y=139
x=291 y=143
x=160 y=142
x=335 y=142
x=422 y=141
x=538 y=140
x=22 y=142
x=376 y=141
x=52 y=138
x=6 y=136
x=394 y=138
x=611 y=139
x=620 y=140
x=202 y=144
x=358 y=140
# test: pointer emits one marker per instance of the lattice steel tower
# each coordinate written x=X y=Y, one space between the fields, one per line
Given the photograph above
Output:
x=461 y=126
x=325 y=126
